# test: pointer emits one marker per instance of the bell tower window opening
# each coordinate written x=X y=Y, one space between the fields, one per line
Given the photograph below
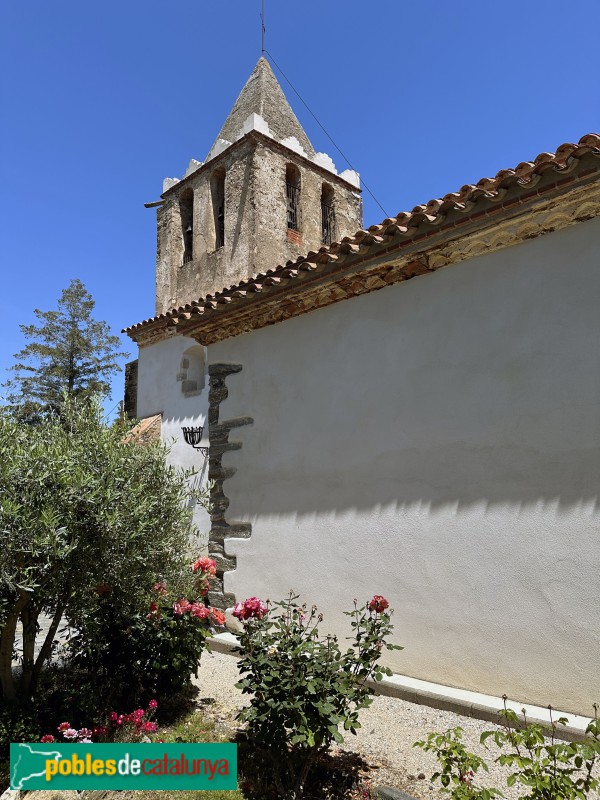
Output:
x=327 y=215
x=292 y=186
x=186 y=208
x=217 y=189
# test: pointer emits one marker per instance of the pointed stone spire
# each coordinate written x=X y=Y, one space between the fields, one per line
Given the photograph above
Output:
x=263 y=97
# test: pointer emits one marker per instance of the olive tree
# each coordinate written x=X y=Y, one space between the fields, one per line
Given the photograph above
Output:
x=85 y=511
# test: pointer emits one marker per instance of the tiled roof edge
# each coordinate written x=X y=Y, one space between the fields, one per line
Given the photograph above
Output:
x=524 y=174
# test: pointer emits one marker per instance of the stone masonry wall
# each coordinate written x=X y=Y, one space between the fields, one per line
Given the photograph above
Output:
x=256 y=234
x=273 y=244
x=222 y=529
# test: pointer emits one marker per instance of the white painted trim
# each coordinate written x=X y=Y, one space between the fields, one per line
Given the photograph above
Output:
x=447 y=698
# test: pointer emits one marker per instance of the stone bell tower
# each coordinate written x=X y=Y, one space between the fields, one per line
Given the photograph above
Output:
x=261 y=197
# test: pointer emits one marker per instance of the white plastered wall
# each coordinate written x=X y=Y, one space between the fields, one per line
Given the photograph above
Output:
x=437 y=442
x=161 y=391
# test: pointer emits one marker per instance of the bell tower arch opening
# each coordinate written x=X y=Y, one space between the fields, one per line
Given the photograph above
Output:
x=293 y=185
x=327 y=214
x=186 y=210
x=217 y=193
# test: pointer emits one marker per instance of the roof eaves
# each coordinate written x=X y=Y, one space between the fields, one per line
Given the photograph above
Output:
x=463 y=204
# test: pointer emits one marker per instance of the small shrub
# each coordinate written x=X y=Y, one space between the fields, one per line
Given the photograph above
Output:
x=303 y=687
x=459 y=767
x=547 y=770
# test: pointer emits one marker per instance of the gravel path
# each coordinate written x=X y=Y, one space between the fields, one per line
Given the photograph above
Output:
x=389 y=728
x=62 y=634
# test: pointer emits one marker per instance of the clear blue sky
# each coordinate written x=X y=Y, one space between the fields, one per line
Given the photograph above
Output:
x=101 y=101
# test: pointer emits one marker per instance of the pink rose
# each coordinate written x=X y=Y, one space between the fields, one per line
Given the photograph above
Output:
x=256 y=608
x=181 y=606
x=239 y=611
x=252 y=607
x=199 y=611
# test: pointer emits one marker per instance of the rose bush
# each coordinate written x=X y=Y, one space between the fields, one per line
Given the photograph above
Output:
x=155 y=652
x=304 y=688
x=545 y=768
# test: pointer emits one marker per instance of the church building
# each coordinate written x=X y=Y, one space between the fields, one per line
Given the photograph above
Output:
x=409 y=409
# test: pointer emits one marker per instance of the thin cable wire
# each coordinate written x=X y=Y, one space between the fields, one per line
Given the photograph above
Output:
x=108 y=413
x=314 y=116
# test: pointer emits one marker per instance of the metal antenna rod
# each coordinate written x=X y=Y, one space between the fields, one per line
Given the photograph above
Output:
x=262 y=19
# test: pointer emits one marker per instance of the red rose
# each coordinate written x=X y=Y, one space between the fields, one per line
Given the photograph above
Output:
x=218 y=616
x=378 y=604
x=206 y=565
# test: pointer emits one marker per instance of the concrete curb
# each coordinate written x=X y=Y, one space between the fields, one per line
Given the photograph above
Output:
x=447 y=698
x=389 y=793
x=382 y=792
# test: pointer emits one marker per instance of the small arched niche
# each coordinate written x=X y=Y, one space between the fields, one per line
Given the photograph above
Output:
x=191 y=370
x=186 y=210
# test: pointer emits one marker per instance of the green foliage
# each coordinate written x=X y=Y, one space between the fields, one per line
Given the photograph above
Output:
x=545 y=768
x=69 y=353
x=84 y=514
x=303 y=687
x=152 y=653
x=459 y=767
x=16 y=726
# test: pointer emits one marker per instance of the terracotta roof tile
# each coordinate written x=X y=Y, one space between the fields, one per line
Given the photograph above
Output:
x=432 y=213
